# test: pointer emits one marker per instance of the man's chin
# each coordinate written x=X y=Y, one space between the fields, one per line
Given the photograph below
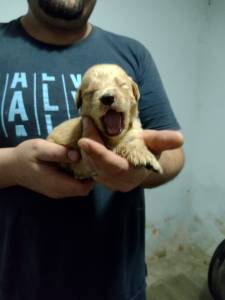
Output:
x=59 y=9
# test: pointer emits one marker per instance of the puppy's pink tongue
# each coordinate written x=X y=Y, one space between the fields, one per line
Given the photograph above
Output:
x=113 y=122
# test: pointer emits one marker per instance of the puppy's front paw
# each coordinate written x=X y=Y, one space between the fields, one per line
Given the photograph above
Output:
x=139 y=156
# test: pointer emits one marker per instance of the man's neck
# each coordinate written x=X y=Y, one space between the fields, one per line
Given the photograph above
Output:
x=50 y=34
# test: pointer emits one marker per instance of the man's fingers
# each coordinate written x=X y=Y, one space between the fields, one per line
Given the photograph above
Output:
x=90 y=131
x=102 y=157
x=72 y=187
x=51 y=152
x=61 y=185
x=161 y=140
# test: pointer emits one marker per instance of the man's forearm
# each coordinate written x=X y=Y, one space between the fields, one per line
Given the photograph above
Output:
x=6 y=167
x=172 y=162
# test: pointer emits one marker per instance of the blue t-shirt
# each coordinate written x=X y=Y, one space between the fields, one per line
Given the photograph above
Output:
x=87 y=247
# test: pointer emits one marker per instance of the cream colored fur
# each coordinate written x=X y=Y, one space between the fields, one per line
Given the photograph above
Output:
x=98 y=82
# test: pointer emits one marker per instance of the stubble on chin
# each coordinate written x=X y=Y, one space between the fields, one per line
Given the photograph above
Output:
x=63 y=9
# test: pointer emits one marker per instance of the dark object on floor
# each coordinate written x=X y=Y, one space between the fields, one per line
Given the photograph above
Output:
x=216 y=274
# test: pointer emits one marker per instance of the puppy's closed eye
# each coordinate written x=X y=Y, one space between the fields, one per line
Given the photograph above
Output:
x=89 y=92
x=124 y=86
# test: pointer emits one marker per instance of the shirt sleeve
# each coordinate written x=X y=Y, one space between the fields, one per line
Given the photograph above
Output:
x=155 y=109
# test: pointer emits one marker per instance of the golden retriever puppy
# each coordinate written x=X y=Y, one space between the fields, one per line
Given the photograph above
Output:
x=110 y=98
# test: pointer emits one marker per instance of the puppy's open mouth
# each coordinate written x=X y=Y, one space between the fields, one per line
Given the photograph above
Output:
x=113 y=122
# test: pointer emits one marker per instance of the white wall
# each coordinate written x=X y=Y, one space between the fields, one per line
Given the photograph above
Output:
x=208 y=182
x=10 y=10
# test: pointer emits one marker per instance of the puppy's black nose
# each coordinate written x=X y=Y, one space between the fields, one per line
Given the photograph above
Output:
x=107 y=99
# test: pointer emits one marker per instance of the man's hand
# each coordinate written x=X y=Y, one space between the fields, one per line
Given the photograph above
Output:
x=34 y=163
x=114 y=171
x=159 y=141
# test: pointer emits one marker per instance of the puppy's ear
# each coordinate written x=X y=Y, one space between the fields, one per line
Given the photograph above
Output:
x=78 y=98
x=135 y=89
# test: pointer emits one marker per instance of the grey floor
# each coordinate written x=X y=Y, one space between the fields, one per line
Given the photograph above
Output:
x=178 y=275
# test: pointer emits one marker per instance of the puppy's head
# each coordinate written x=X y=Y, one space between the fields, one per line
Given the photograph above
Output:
x=109 y=96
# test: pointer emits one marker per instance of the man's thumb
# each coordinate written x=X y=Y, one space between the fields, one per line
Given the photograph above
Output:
x=51 y=152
